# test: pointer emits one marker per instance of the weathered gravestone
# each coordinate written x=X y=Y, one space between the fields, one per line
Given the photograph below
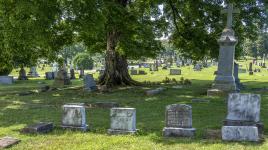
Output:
x=237 y=80
x=175 y=72
x=178 y=121
x=142 y=72
x=42 y=127
x=197 y=67
x=243 y=119
x=133 y=72
x=224 y=80
x=74 y=117
x=6 y=142
x=6 y=79
x=62 y=78
x=49 y=75
x=153 y=67
x=33 y=72
x=250 y=70
x=123 y=121
x=154 y=92
x=89 y=83
x=22 y=74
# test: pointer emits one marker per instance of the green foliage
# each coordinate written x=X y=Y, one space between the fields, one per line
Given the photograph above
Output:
x=5 y=68
x=83 y=61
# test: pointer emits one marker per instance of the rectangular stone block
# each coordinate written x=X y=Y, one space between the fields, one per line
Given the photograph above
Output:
x=179 y=116
x=123 y=120
x=74 y=117
x=240 y=133
x=6 y=142
x=175 y=72
x=6 y=79
x=178 y=132
x=244 y=107
x=41 y=127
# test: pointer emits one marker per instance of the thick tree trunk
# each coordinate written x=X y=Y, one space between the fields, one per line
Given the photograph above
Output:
x=116 y=67
x=22 y=74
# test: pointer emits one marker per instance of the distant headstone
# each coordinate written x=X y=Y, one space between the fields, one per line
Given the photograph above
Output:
x=178 y=121
x=6 y=79
x=42 y=127
x=142 y=72
x=89 y=83
x=154 y=92
x=153 y=67
x=243 y=119
x=250 y=70
x=62 y=78
x=237 y=80
x=123 y=121
x=197 y=67
x=33 y=72
x=72 y=74
x=6 y=142
x=134 y=72
x=74 y=117
x=175 y=72
x=49 y=75
x=22 y=74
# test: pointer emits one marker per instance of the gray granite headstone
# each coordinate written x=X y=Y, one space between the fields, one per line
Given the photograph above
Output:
x=142 y=72
x=243 y=119
x=74 y=117
x=178 y=121
x=6 y=79
x=33 y=72
x=123 y=121
x=175 y=72
x=42 y=127
x=250 y=70
x=89 y=83
x=244 y=107
x=49 y=75
x=6 y=142
x=133 y=72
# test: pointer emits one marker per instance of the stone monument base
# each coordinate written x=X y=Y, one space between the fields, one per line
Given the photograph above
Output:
x=84 y=128
x=240 y=133
x=178 y=132
x=116 y=132
x=6 y=79
x=259 y=125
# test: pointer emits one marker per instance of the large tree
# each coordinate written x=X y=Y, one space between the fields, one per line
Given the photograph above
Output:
x=196 y=25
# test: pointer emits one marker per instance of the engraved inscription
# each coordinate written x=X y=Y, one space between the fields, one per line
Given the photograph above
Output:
x=179 y=116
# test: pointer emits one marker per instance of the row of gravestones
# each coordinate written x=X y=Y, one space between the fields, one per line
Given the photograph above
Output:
x=142 y=72
x=241 y=124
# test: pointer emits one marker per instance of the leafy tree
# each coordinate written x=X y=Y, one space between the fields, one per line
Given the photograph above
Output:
x=83 y=61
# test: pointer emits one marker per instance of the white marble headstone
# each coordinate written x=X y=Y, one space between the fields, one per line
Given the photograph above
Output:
x=123 y=119
x=74 y=116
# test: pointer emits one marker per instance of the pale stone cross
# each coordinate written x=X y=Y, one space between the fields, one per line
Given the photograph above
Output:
x=230 y=11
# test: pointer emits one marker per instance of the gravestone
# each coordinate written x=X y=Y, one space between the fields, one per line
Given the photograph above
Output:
x=22 y=74
x=89 y=83
x=237 y=80
x=175 y=72
x=33 y=72
x=153 y=67
x=42 y=127
x=133 y=72
x=123 y=121
x=6 y=80
x=74 y=117
x=243 y=119
x=178 y=121
x=142 y=72
x=7 y=142
x=250 y=70
x=154 y=92
x=224 y=79
x=197 y=67
x=49 y=75
x=62 y=78
x=72 y=74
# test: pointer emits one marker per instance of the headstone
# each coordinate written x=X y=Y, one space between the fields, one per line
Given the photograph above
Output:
x=250 y=70
x=72 y=74
x=74 y=117
x=42 y=127
x=153 y=67
x=123 y=121
x=33 y=72
x=142 y=72
x=154 y=92
x=237 y=80
x=175 y=72
x=22 y=74
x=197 y=67
x=89 y=83
x=243 y=119
x=62 y=78
x=178 y=121
x=6 y=79
x=134 y=72
x=49 y=75
x=6 y=142
x=224 y=79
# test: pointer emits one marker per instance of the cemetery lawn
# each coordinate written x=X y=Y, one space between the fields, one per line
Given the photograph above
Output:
x=18 y=111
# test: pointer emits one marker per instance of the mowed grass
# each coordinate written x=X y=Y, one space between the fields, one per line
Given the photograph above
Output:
x=19 y=111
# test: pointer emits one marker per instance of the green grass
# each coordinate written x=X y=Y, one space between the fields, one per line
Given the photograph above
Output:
x=18 y=111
